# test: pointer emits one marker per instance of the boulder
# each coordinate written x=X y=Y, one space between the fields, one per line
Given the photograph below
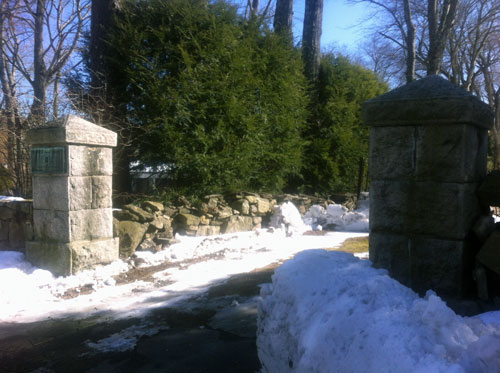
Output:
x=131 y=234
x=238 y=223
x=141 y=214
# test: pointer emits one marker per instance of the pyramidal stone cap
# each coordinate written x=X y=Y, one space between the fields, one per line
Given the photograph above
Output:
x=71 y=129
x=429 y=101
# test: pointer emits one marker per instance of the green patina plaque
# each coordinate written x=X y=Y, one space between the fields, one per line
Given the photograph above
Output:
x=49 y=160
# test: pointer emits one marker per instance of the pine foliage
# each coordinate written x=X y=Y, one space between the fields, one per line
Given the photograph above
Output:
x=219 y=99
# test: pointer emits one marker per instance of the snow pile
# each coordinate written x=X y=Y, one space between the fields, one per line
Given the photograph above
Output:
x=338 y=217
x=30 y=294
x=287 y=217
x=329 y=311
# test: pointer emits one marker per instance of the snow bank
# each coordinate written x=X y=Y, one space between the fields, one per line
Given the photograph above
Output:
x=287 y=217
x=329 y=311
x=339 y=217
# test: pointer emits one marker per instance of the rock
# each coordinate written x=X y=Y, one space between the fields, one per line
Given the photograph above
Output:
x=186 y=220
x=238 y=224
x=204 y=220
x=125 y=215
x=251 y=199
x=169 y=211
x=225 y=212
x=131 y=234
x=489 y=255
x=143 y=215
x=157 y=223
x=242 y=206
x=483 y=227
x=149 y=245
x=153 y=206
x=208 y=230
x=263 y=206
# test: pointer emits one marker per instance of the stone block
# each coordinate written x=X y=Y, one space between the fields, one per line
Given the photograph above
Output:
x=86 y=225
x=444 y=210
x=444 y=266
x=64 y=259
x=451 y=154
x=54 y=257
x=4 y=230
x=80 y=193
x=89 y=254
x=263 y=206
x=392 y=151
x=389 y=205
x=238 y=224
x=101 y=192
x=391 y=252
x=7 y=211
x=427 y=101
x=50 y=193
x=16 y=235
x=90 y=161
x=242 y=205
x=208 y=230
x=51 y=225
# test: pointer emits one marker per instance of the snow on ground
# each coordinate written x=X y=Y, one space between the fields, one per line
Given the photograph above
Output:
x=29 y=294
x=329 y=311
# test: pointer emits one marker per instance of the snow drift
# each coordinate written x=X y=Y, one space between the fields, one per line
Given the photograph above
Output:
x=331 y=312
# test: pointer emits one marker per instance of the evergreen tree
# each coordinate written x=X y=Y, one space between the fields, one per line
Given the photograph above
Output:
x=220 y=100
x=336 y=135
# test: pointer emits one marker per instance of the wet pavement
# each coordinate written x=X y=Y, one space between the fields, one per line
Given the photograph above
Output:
x=210 y=332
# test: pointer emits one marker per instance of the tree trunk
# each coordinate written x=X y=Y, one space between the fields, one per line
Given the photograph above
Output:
x=39 y=78
x=283 y=17
x=410 y=43
x=311 y=37
x=101 y=21
x=439 y=32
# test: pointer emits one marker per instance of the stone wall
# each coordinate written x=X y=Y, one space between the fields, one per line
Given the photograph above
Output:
x=151 y=225
x=16 y=224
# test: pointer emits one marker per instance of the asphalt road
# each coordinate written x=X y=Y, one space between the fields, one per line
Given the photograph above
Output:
x=212 y=332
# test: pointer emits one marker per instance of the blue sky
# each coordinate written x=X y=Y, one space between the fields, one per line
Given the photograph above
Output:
x=341 y=23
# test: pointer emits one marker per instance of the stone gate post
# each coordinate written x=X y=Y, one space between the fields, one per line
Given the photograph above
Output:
x=71 y=163
x=428 y=148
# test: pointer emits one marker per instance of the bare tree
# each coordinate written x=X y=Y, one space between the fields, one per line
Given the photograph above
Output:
x=283 y=16
x=38 y=38
x=440 y=24
x=311 y=37
x=409 y=37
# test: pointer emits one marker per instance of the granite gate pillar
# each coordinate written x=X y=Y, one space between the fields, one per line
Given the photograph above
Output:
x=71 y=162
x=428 y=148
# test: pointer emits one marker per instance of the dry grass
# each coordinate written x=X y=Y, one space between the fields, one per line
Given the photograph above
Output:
x=354 y=245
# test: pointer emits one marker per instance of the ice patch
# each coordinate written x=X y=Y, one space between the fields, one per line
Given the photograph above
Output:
x=125 y=340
